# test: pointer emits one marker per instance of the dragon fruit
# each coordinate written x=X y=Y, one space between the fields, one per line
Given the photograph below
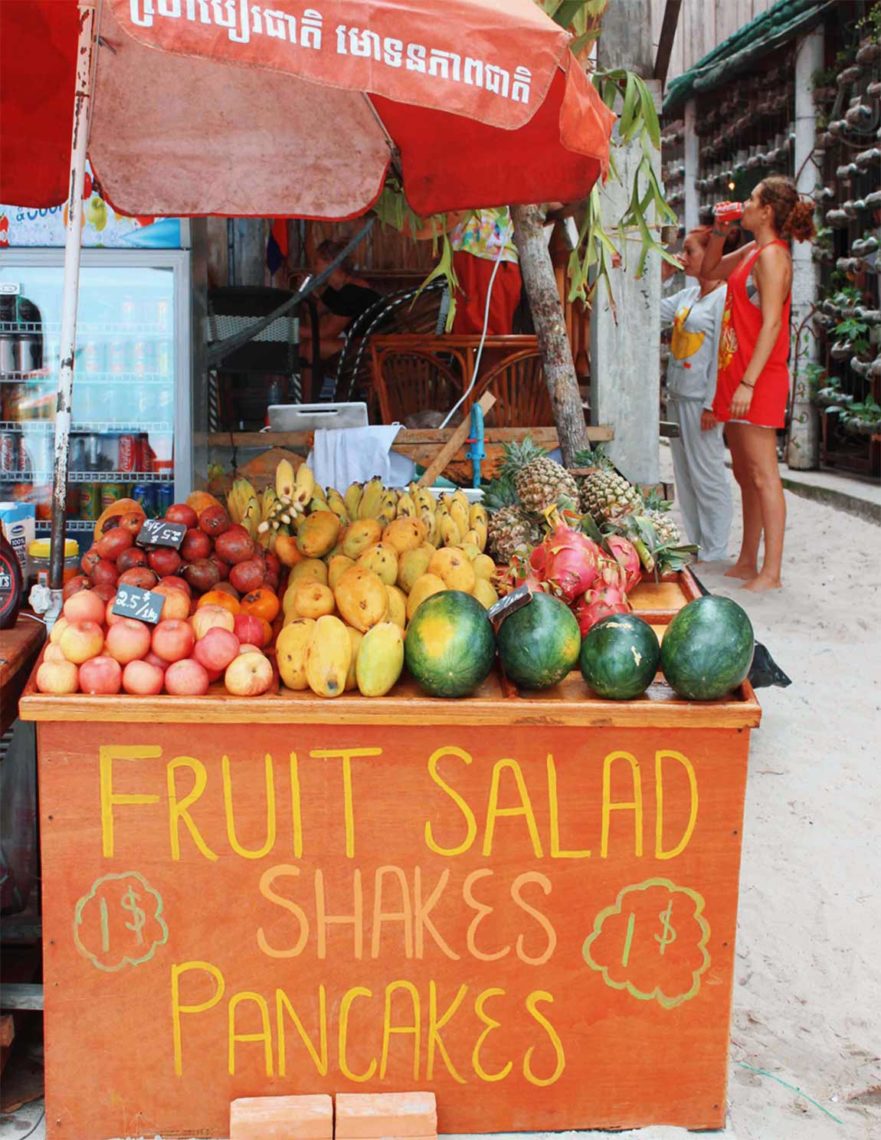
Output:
x=625 y=554
x=566 y=562
x=610 y=572
x=597 y=604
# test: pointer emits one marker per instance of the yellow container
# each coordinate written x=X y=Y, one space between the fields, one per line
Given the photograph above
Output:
x=38 y=560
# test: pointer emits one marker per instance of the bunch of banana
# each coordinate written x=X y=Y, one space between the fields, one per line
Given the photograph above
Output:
x=293 y=495
x=243 y=505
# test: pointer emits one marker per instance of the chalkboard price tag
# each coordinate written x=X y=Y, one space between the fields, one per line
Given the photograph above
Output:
x=142 y=605
x=508 y=605
x=158 y=532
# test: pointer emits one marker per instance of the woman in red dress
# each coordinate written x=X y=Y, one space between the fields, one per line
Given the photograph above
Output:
x=752 y=388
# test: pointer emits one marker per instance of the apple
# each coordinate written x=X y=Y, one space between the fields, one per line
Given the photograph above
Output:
x=248 y=647
x=100 y=674
x=186 y=678
x=61 y=624
x=84 y=605
x=152 y=659
x=173 y=639
x=181 y=513
x=110 y=618
x=248 y=675
x=214 y=675
x=53 y=653
x=143 y=678
x=210 y=617
x=216 y=648
x=57 y=677
x=176 y=605
x=81 y=640
x=127 y=640
x=247 y=627
x=177 y=582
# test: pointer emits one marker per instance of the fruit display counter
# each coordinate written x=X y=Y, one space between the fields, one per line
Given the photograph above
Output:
x=523 y=901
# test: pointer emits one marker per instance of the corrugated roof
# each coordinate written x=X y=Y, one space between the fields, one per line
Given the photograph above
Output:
x=787 y=19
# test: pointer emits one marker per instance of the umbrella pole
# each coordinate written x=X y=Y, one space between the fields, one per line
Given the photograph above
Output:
x=72 y=249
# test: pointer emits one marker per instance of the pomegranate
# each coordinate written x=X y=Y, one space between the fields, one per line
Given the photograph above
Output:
x=214 y=521
x=164 y=560
x=131 y=521
x=222 y=567
x=90 y=560
x=625 y=554
x=176 y=583
x=105 y=590
x=202 y=575
x=196 y=544
x=114 y=541
x=104 y=571
x=74 y=585
x=247 y=576
x=234 y=545
x=181 y=513
x=600 y=603
x=141 y=576
x=134 y=556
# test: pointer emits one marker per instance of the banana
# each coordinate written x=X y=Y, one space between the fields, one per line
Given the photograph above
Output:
x=316 y=503
x=458 y=510
x=406 y=508
x=424 y=500
x=449 y=532
x=268 y=502
x=389 y=506
x=319 y=493
x=352 y=499
x=477 y=513
x=337 y=504
x=284 y=479
x=479 y=528
x=459 y=496
x=304 y=485
x=371 y=498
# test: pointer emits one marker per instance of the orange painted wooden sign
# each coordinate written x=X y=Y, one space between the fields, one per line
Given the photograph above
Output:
x=535 y=922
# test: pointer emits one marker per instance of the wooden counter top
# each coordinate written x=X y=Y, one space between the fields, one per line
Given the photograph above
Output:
x=19 y=647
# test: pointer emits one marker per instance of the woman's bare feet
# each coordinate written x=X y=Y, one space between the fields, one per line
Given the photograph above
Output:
x=742 y=570
x=760 y=583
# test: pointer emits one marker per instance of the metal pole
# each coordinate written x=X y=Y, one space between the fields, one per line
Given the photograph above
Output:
x=78 y=145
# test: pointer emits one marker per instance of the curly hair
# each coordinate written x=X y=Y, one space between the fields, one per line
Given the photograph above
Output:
x=329 y=249
x=793 y=214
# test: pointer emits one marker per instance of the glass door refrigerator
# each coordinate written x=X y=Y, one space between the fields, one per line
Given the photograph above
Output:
x=131 y=432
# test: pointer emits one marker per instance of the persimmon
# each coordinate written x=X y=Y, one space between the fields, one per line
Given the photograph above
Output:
x=220 y=598
x=262 y=603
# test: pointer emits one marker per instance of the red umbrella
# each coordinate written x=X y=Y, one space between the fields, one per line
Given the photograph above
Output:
x=297 y=107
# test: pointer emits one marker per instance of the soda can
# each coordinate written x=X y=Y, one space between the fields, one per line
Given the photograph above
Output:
x=10 y=453
x=162 y=358
x=92 y=453
x=145 y=494
x=111 y=493
x=728 y=211
x=117 y=358
x=164 y=498
x=90 y=501
x=143 y=356
x=145 y=453
x=92 y=362
x=72 y=500
x=129 y=453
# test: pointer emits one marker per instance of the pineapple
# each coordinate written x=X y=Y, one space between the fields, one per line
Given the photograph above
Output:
x=665 y=528
x=537 y=479
x=509 y=530
x=606 y=495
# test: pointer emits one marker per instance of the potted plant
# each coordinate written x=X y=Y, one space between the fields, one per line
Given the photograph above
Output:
x=861 y=418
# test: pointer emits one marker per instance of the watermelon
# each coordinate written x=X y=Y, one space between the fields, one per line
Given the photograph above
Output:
x=539 y=643
x=619 y=657
x=707 y=649
x=449 y=647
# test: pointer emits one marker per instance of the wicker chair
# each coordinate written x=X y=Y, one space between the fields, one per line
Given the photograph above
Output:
x=521 y=392
x=411 y=381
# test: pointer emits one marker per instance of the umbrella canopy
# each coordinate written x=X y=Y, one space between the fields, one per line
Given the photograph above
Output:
x=297 y=107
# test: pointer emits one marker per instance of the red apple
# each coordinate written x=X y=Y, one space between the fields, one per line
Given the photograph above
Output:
x=100 y=674
x=247 y=627
x=248 y=675
x=81 y=640
x=181 y=513
x=176 y=604
x=216 y=648
x=247 y=647
x=186 y=678
x=143 y=678
x=152 y=659
x=85 y=605
x=173 y=639
x=59 y=677
x=209 y=617
x=127 y=640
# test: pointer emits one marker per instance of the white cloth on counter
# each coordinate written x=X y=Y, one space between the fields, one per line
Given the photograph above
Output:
x=353 y=455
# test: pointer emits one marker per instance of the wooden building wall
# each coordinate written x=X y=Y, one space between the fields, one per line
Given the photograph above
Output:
x=703 y=24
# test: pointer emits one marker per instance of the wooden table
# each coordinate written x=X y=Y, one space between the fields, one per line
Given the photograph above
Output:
x=19 y=647
x=524 y=902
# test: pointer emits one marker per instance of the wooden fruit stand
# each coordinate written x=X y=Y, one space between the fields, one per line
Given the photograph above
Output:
x=524 y=902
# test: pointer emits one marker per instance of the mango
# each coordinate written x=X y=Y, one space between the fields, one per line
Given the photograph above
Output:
x=312 y=600
x=318 y=533
x=308 y=570
x=485 y=593
x=397 y=606
x=290 y=651
x=423 y=588
x=404 y=534
x=382 y=559
x=355 y=636
x=361 y=598
x=412 y=565
x=359 y=536
x=484 y=567
x=328 y=657
x=380 y=659
x=454 y=567
x=289 y=554
x=337 y=565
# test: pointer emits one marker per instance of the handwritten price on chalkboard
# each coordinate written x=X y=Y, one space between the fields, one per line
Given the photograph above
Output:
x=652 y=942
x=158 y=532
x=119 y=922
x=133 y=602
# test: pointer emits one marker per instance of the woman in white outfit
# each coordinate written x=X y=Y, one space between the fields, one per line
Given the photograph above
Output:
x=703 y=489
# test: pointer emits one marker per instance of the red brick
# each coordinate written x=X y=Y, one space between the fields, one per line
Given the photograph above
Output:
x=281 y=1118
x=372 y=1116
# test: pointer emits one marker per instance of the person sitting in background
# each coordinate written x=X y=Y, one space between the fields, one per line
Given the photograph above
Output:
x=702 y=487
x=480 y=238
x=343 y=298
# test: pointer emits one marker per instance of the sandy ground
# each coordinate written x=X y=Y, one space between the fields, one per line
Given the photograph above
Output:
x=807 y=1000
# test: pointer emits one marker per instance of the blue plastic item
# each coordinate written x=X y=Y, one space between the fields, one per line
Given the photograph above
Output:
x=476 y=452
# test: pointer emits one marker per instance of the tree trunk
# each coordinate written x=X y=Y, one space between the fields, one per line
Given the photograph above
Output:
x=550 y=328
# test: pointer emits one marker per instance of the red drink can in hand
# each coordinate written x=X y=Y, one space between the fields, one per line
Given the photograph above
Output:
x=728 y=211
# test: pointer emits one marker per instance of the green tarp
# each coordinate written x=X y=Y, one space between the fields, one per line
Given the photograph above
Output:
x=786 y=20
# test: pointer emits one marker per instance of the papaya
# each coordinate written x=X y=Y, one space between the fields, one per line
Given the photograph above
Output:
x=404 y=534
x=337 y=565
x=312 y=600
x=382 y=559
x=397 y=606
x=290 y=652
x=380 y=659
x=412 y=565
x=328 y=657
x=318 y=533
x=360 y=535
x=356 y=637
x=124 y=512
x=361 y=598
x=423 y=588
x=454 y=567
x=201 y=501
